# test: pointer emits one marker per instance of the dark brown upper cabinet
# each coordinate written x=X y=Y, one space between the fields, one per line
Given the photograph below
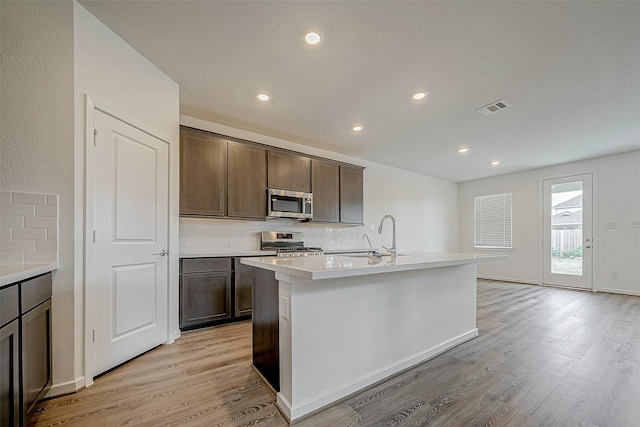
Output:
x=203 y=174
x=246 y=180
x=288 y=171
x=351 y=194
x=325 y=186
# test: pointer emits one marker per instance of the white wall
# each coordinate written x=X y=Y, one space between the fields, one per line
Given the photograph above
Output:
x=616 y=199
x=52 y=54
x=117 y=78
x=36 y=149
x=425 y=208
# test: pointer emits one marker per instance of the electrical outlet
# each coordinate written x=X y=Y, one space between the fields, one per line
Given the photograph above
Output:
x=284 y=304
x=343 y=242
x=635 y=224
x=233 y=245
x=612 y=225
x=614 y=274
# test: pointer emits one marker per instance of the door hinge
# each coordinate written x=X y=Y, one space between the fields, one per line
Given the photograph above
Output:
x=94 y=236
x=94 y=335
x=95 y=135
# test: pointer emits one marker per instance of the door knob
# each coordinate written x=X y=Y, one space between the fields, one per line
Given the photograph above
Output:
x=162 y=252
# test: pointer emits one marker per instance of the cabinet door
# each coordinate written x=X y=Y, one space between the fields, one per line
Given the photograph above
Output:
x=203 y=174
x=243 y=292
x=36 y=355
x=300 y=173
x=9 y=376
x=288 y=171
x=351 y=195
x=247 y=180
x=205 y=297
x=325 y=186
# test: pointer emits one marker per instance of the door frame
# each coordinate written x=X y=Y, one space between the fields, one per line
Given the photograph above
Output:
x=594 y=226
x=91 y=105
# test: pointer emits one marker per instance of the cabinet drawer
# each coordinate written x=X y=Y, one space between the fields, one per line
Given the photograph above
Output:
x=198 y=265
x=35 y=291
x=9 y=309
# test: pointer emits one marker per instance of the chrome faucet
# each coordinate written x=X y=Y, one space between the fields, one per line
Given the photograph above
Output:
x=392 y=249
x=364 y=236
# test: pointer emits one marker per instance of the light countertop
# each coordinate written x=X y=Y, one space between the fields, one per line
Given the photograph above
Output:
x=333 y=266
x=249 y=252
x=18 y=272
x=230 y=253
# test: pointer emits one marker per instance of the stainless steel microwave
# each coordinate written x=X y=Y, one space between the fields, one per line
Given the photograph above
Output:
x=289 y=204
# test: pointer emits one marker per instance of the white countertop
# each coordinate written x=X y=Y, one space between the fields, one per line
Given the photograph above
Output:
x=18 y=272
x=236 y=252
x=249 y=252
x=333 y=266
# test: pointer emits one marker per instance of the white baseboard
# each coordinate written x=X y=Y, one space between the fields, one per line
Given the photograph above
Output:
x=330 y=397
x=65 y=388
x=284 y=406
x=509 y=279
x=618 y=291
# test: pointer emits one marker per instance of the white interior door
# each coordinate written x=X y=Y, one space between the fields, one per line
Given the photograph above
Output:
x=131 y=196
x=568 y=234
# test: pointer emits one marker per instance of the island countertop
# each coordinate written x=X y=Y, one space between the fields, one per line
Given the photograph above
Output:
x=334 y=266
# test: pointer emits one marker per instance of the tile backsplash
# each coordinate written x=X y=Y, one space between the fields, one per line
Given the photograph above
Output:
x=28 y=228
x=220 y=235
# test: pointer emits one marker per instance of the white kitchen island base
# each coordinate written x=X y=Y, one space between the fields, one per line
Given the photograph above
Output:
x=344 y=334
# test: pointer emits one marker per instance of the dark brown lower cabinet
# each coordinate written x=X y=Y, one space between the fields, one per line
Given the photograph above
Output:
x=214 y=291
x=36 y=355
x=266 y=352
x=243 y=283
x=205 y=297
x=25 y=348
x=9 y=375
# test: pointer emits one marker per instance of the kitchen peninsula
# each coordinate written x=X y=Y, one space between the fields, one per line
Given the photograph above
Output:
x=346 y=322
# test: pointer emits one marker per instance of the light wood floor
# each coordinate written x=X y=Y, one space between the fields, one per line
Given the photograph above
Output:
x=544 y=357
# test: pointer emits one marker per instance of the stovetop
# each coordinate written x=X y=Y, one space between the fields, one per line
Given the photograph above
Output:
x=287 y=244
x=299 y=251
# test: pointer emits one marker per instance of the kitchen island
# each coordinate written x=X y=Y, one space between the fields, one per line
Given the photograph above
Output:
x=344 y=323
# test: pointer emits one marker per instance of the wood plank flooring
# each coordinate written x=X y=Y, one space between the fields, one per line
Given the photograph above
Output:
x=544 y=357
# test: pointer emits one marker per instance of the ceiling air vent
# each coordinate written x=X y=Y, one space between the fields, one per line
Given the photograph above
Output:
x=493 y=108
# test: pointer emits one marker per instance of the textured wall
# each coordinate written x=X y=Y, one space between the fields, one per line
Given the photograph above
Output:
x=36 y=149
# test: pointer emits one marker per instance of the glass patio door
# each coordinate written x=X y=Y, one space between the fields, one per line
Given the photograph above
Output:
x=568 y=236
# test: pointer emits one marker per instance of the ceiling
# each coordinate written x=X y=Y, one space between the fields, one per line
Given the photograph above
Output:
x=569 y=70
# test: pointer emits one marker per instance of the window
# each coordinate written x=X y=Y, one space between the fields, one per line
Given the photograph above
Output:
x=493 y=221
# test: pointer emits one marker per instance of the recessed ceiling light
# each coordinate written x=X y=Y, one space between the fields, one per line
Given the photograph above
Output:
x=463 y=150
x=263 y=97
x=312 y=38
x=358 y=128
x=495 y=163
x=420 y=95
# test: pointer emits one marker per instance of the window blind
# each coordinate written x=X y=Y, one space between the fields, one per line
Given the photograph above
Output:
x=493 y=221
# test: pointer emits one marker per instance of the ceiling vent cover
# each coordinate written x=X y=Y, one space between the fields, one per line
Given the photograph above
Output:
x=493 y=108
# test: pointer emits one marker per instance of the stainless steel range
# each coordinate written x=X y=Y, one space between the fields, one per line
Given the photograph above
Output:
x=286 y=243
